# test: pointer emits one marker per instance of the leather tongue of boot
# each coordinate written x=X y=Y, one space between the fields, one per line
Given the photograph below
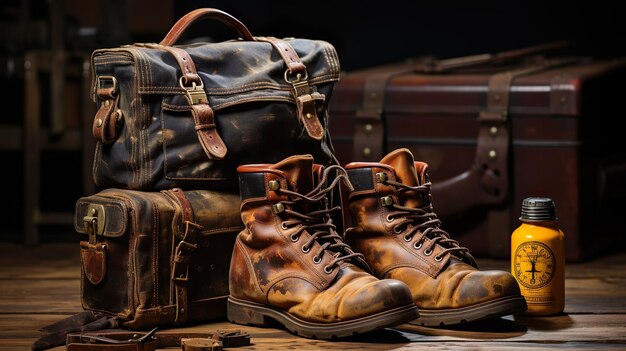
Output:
x=299 y=172
x=404 y=164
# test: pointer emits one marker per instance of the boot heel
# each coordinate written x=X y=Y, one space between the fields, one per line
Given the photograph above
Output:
x=245 y=314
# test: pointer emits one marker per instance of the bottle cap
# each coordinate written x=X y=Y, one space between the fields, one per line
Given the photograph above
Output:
x=538 y=209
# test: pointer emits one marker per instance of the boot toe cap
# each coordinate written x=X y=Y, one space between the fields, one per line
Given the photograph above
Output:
x=480 y=286
x=374 y=297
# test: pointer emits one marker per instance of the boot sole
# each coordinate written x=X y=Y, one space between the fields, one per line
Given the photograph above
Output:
x=250 y=313
x=489 y=309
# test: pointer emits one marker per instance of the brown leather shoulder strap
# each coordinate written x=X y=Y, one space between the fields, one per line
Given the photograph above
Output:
x=369 y=127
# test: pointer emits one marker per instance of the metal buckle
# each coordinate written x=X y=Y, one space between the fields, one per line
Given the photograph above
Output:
x=111 y=78
x=195 y=93
x=298 y=77
x=299 y=83
x=94 y=222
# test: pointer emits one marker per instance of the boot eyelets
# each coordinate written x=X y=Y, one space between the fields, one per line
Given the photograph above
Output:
x=306 y=249
x=295 y=238
x=386 y=201
x=328 y=270
x=397 y=230
x=408 y=238
x=278 y=208
x=428 y=252
x=381 y=177
x=438 y=258
x=389 y=218
x=273 y=185
x=417 y=245
x=283 y=226
x=317 y=259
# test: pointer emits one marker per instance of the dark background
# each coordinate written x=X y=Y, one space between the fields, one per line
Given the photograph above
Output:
x=364 y=34
x=367 y=33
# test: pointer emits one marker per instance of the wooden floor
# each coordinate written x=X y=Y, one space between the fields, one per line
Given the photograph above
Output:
x=39 y=286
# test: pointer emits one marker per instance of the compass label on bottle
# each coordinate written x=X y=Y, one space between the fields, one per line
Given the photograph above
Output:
x=534 y=264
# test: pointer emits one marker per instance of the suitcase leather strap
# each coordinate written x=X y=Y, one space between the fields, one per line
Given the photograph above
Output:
x=369 y=127
x=182 y=254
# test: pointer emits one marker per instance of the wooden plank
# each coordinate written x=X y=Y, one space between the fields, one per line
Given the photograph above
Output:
x=495 y=346
x=19 y=331
x=42 y=262
x=41 y=285
x=595 y=295
x=40 y=296
x=569 y=332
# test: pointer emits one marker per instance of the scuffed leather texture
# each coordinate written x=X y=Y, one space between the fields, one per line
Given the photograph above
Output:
x=254 y=108
x=137 y=286
x=445 y=284
x=269 y=268
x=93 y=260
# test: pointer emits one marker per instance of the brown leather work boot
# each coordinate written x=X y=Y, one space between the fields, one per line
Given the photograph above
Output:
x=395 y=227
x=290 y=265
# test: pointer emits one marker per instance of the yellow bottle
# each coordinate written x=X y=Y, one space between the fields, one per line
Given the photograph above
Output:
x=538 y=257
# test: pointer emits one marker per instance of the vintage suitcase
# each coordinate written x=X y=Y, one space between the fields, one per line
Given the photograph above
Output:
x=495 y=129
x=187 y=116
x=157 y=258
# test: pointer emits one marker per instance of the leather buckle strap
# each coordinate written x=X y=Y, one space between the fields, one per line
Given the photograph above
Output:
x=90 y=342
x=288 y=54
x=180 y=269
x=304 y=94
x=124 y=340
x=202 y=113
x=108 y=118
x=182 y=253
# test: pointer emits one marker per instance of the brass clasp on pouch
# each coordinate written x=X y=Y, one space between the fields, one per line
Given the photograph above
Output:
x=195 y=93
x=94 y=222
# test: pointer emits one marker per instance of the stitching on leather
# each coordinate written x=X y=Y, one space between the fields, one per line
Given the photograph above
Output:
x=225 y=230
x=149 y=167
x=102 y=63
x=133 y=103
x=155 y=254
x=145 y=162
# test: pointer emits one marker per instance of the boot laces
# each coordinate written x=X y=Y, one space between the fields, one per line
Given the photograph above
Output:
x=423 y=223
x=310 y=212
